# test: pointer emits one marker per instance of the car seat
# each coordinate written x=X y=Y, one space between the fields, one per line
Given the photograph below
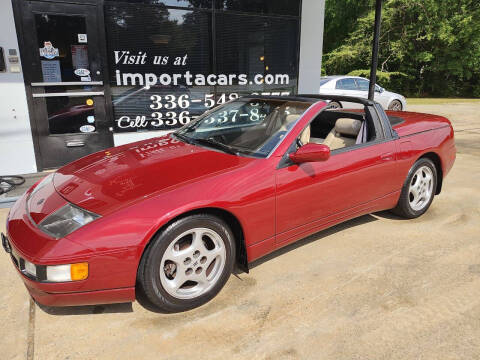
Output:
x=343 y=134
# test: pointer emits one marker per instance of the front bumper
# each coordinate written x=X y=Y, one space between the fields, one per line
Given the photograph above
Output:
x=108 y=281
x=110 y=296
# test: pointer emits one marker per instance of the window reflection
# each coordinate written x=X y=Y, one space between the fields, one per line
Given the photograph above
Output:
x=156 y=40
x=67 y=115
x=279 y=7
x=63 y=55
x=165 y=69
x=258 y=46
x=206 y=4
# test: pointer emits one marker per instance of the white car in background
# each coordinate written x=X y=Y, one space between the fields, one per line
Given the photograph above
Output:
x=358 y=87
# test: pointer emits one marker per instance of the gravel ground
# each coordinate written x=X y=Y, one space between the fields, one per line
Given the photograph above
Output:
x=376 y=287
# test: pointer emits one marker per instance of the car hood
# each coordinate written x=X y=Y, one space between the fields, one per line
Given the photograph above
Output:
x=106 y=181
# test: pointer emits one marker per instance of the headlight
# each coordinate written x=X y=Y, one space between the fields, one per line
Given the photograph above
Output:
x=70 y=272
x=30 y=268
x=66 y=220
x=55 y=273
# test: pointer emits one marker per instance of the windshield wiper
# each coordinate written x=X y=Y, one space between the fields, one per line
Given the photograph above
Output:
x=217 y=145
x=184 y=138
x=210 y=142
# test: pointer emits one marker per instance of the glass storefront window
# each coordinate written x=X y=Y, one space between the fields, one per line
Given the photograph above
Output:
x=169 y=65
x=206 y=4
x=63 y=47
x=157 y=56
x=264 y=49
x=277 y=7
x=68 y=115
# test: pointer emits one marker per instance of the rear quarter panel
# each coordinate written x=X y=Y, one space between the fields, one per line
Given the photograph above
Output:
x=420 y=134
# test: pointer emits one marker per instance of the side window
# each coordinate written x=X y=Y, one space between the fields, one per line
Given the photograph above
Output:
x=363 y=84
x=340 y=129
x=346 y=84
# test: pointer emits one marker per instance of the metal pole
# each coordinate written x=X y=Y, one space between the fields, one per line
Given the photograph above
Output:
x=376 y=40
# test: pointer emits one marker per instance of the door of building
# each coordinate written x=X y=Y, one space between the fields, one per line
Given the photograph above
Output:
x=64 y=74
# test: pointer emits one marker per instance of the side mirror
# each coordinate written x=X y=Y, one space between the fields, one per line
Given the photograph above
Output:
x=379 y=89
x=311 y=153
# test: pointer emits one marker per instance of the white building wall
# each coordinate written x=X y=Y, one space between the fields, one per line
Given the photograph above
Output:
x=16 y=145
x=311 y=46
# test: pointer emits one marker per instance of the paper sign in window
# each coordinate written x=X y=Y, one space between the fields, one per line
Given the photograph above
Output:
x=80 y=56
x=51 y=71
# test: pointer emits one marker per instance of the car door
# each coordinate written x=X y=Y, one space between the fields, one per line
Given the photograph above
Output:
x=382 y=97
x=311 y=195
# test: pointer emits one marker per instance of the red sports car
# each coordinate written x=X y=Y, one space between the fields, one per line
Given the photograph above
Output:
x=167 y=219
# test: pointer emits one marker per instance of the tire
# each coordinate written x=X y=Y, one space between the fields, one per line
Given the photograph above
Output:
x=5 y=186
x=186 y=264
x=334 y=105
x=418 y=190
x=395 y=105
x=13 y=179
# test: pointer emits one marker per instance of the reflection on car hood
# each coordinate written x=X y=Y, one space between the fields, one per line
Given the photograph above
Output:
x=111 y=179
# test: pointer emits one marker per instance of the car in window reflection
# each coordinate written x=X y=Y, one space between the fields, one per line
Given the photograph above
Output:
x=358 y=87
x=73 y=118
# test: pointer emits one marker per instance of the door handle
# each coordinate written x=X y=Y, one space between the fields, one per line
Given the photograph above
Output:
x=70 y=94
x=68 y=83
x=387 y=156
x=75 y=143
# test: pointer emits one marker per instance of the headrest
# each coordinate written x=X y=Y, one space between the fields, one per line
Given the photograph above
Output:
x=305 y=135
x=347 y=126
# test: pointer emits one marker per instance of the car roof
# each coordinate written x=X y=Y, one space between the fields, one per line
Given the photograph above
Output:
x=337 y=77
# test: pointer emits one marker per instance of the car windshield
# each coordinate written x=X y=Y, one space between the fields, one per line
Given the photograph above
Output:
x=247 y=126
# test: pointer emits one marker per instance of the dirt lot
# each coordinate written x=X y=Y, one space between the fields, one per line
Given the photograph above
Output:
x=377 y=287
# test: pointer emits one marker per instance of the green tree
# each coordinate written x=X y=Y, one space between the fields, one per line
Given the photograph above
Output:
x=434 y=45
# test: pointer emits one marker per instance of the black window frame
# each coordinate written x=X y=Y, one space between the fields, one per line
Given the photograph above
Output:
x=3 y=64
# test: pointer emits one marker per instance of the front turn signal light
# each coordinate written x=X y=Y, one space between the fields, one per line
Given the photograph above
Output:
x=79 y=271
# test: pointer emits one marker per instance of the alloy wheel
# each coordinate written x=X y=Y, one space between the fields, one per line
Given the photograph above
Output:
x=192 y=263
x=395 y=105
x=421 y=188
